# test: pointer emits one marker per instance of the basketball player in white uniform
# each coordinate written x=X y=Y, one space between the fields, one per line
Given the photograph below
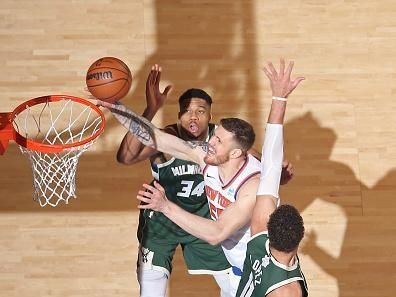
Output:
x=220 y=195
x=226 y=157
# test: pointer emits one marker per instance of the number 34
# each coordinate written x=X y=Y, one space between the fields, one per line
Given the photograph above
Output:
x=188 y=190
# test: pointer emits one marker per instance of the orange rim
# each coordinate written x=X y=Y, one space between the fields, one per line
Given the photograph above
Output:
x=54 y=148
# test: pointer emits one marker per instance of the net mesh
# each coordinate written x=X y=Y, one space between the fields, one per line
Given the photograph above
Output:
x=64 y=122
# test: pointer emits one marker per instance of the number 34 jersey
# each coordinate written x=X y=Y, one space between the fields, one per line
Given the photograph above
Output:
x=184 y=185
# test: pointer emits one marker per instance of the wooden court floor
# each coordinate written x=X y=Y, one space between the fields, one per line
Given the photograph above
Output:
x=340 y=132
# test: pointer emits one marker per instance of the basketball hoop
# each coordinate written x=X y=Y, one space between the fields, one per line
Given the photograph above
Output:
x=53 y=131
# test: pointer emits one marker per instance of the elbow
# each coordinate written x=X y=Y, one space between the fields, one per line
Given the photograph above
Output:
x=218 y=233
x=216 y=239
x=122 y=159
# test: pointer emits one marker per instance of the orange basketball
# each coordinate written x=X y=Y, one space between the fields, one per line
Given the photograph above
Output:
x=109 y=79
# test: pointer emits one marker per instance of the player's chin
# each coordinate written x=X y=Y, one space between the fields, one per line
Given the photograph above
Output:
x=210 y=160
x=194 y=134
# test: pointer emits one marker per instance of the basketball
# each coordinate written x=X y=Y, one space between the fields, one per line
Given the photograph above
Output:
x=109 y=79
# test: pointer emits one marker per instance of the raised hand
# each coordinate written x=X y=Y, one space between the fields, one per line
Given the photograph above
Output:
x=281 y=83
x=152 y=197
x=154 y=97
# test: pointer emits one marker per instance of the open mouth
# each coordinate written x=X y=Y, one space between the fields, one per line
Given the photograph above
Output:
x=211 y=151
x=193 y=127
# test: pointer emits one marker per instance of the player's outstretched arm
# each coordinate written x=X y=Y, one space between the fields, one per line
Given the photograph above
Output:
x=151 y=136
x=272 y=152
x=234 y=217
x=131 y=150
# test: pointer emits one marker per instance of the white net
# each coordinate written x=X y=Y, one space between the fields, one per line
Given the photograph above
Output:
x=64 y=122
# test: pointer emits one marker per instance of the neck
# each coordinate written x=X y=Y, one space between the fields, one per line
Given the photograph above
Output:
x=284 y=258
x=228 y=170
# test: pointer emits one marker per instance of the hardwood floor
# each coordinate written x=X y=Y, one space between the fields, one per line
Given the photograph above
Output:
x=339 y=133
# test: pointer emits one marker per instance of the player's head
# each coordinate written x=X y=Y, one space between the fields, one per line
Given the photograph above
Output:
x=195 y=113
x=231 y=140
x=285 y=229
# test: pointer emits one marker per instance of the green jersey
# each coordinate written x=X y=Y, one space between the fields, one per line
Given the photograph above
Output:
x=184 y=185
x=262 y=273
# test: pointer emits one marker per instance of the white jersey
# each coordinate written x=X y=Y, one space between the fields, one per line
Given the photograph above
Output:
x=220 y=196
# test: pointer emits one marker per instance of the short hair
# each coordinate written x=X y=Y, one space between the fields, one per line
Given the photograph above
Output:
x=285 y=228
x=242 y=130
x=194 y=93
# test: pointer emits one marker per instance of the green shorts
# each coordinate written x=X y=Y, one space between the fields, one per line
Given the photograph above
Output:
x=157 y=249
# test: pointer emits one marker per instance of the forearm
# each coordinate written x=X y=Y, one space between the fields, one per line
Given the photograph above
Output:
x=150 y=135
x=205 y=229
x=271 y=161
x=131 y=148
x=265 y=206
x=141 y=128
x=271 y=169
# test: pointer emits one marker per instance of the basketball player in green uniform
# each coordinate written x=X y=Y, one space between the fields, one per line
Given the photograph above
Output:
x=183 y=182
x=271 y=266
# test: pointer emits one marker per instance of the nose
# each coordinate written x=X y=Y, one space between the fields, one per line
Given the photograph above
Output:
x=194 y=115
x=211 y=141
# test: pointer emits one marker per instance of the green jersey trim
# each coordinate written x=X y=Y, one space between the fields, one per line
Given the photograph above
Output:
x=170 y=161
x=282 y=283
x=210 y=272
x=258 y=234
x=280 y=265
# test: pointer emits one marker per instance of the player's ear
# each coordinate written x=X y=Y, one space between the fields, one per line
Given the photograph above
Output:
x=179 y=115
x=236 y=153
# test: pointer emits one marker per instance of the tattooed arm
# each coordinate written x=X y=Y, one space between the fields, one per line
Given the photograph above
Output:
x=151 y=136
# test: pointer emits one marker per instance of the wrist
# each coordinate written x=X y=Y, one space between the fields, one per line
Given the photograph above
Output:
x=149 y=113
x=167 y=208
x=277 y=112
x=277 y=98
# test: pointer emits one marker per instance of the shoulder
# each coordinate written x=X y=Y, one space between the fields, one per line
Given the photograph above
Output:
x=246 y=194
x=171 y=129
x=250 y=186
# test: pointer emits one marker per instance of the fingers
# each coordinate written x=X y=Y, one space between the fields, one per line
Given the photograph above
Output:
x=149 y=80
x=297 y=81
x=149 y=188
x=143 y=199
x=282 y=66
x=152 y=197
x=154 y=75
x=272 y=73
x=167 y=90
x=267 y=73
x=159 y=187
x=146 y=196
x=289 y=168
x=289 y=69
x=158 y=75
x=272 y=69
x=155 y=79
